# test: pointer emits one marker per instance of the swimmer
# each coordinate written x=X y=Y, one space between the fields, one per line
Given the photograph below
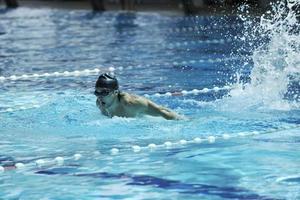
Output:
x=112 y=102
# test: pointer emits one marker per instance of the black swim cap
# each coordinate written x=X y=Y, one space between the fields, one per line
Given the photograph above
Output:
x=107 y=81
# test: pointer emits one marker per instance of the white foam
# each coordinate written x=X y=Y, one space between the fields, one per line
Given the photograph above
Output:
x=274 y=62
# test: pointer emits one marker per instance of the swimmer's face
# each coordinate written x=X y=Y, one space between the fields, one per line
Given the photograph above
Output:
x=102 y=92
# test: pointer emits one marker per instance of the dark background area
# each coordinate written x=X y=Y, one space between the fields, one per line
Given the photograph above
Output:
x=185 y=6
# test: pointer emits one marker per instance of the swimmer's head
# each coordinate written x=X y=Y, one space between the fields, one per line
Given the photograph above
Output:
x=107 y=81
x=105 y=84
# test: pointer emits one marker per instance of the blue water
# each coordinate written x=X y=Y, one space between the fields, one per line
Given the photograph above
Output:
x=253 y=150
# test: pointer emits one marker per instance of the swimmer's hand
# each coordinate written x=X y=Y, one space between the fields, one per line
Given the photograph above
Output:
x=182 y=117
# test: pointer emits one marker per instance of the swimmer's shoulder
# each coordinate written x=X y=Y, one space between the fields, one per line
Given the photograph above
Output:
x=132 y=99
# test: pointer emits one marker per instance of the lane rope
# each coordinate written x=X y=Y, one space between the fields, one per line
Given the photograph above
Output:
x=76 y=73
x=185 y=29
x=149 y=148
x=87 y=72
x=166 y=94
x=174 y=44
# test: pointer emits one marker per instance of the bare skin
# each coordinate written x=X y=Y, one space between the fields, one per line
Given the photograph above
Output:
x=128 y=105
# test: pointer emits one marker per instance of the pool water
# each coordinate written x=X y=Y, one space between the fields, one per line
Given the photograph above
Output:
x=238 y=86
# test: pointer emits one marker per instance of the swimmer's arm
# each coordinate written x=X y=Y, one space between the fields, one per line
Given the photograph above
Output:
x=156 y=110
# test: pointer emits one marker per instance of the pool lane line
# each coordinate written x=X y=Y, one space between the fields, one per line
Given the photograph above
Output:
x=161 y=20
x=167 y=20
x=174 y=45
x=152 y=147
x=199 y=140
x=43 y=162
x=185 y=29
x=190 y=92
x=166 y=94
x=178 y=20
x=87 y=72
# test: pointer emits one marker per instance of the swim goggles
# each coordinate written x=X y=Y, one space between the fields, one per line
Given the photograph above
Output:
x=103 y=93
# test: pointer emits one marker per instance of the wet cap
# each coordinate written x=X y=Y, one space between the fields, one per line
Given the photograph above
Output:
x=108 y=81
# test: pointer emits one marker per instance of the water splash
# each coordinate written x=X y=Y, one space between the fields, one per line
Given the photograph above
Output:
x=275 y=76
